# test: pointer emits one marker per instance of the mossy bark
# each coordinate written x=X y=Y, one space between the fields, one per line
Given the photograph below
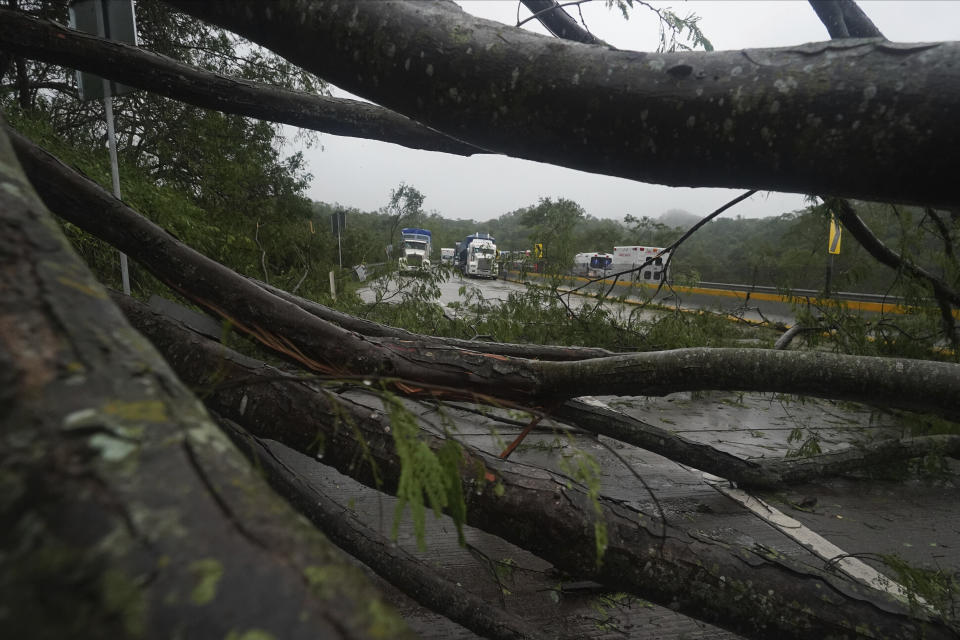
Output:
x=402 y=569
x=126 y=512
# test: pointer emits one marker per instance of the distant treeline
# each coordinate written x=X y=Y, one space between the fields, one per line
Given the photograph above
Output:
x=788 y=250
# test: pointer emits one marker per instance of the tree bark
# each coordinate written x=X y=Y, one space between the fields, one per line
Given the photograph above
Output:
x=751 y=590
x=865 y=118
x=558 y=22
x=47 y=41
x=844 y=19
x=469 y=374
x=126 y=512
x=412 y=576
x=593 y=416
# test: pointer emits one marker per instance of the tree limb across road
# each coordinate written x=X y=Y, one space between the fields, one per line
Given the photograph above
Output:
x=50 y=42
x=920 y=385
x=864 y=118
x=751 y=589
x=126 y=512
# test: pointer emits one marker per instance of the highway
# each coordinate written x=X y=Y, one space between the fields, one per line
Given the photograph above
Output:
x=752 y=303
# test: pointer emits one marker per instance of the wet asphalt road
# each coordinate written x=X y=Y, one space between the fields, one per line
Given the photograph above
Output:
x=738 y=305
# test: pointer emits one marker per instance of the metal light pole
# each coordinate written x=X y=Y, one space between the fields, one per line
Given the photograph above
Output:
x=115 y=174
x=338 y=220
x=115 y=20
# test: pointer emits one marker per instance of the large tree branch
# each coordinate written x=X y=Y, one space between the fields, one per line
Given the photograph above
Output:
x=751 y=589
x=406 y=572
x=845 y=19
x=911 y=384
x=858 y=118
x=63 y=87
x=126 y=512
x=53 y=43
x=887 y=256
x=596 y=417
x=558 y=22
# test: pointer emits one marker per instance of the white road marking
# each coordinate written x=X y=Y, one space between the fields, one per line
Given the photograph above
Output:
x=806 y=537
x=797 y=531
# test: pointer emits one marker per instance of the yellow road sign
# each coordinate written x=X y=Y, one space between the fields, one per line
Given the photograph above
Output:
x=833 y=245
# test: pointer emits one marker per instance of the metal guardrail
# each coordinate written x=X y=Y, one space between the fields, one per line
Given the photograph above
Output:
x=803 y=293
x=871 y=302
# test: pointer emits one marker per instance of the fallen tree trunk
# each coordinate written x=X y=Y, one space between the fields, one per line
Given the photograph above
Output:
x=599 y=418
x=126 y=512
x=558 y=22
x=50 y=42
x=589 y=415
x=858 y=118
x=596 y=417
x=844 y=19
x=752 y=590
x=412 y=576
x=470 y=374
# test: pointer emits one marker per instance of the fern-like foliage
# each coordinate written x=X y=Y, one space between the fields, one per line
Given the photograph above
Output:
x=676 y=33
x=427 y=477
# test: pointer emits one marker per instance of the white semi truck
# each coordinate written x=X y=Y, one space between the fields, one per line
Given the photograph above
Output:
x=415 y=249
x=477 y=256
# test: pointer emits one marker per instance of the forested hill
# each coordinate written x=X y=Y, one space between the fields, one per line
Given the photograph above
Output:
x=786 y=250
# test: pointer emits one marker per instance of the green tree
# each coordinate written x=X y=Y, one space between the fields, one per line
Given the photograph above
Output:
x=405 y=207
x=552 y=224
x=593 y=234
x=249 y=209
x=646 y=230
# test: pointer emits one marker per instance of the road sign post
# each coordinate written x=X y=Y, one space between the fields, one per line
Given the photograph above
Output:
x=114 y=20
x=833 y=248
x=338 y=221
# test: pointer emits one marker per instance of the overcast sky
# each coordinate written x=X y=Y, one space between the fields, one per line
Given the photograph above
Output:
x=361 y=173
